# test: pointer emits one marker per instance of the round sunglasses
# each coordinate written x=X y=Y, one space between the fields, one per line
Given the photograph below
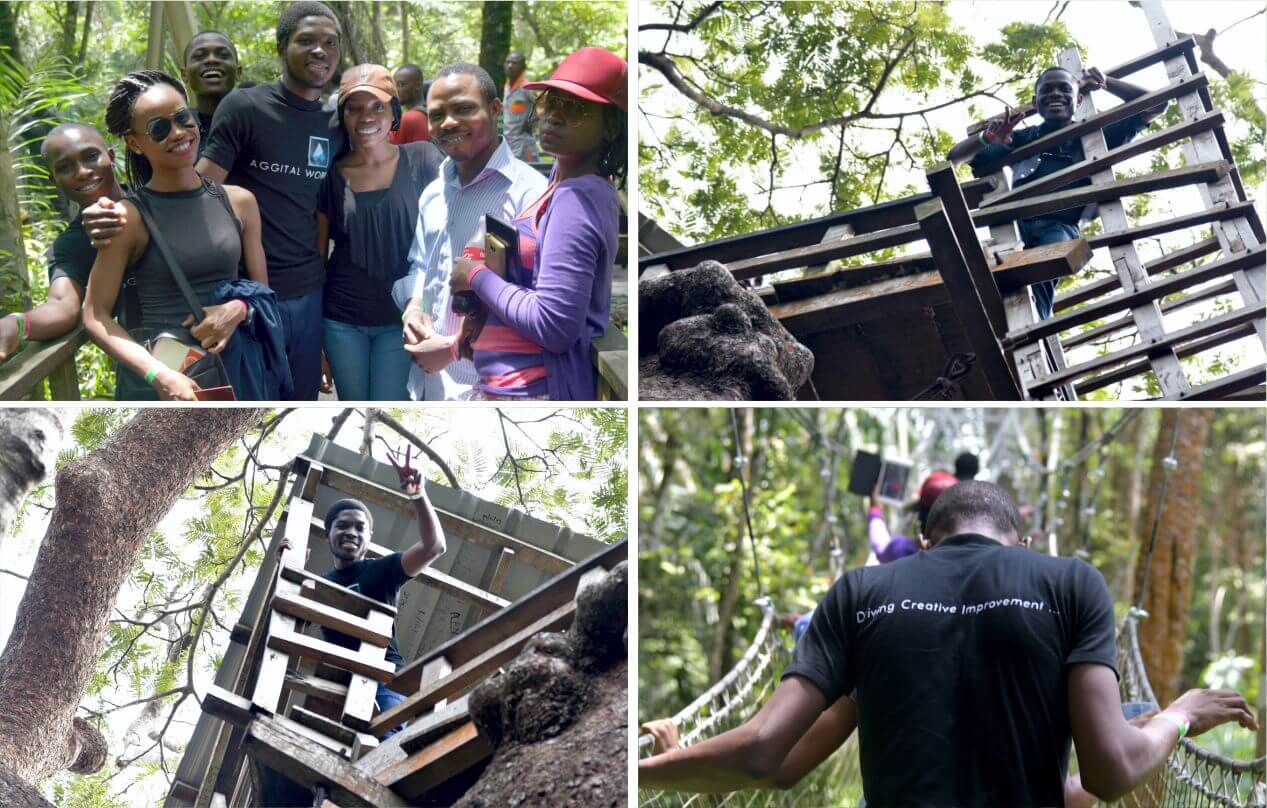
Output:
x=572 y=111
x=160 y=129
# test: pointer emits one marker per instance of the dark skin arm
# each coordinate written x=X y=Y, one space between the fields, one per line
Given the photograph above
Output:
x=430 y=544
x=104 y=219
x=49 y=320
x=1093 y=79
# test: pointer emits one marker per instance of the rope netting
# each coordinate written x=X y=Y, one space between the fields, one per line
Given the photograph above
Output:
x=734 y=699
x=1192 y=778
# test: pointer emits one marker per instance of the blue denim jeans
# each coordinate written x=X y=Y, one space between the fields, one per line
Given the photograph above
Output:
x=386 y=698
x=1035 y=233
x=301 y=317
x=368 y=361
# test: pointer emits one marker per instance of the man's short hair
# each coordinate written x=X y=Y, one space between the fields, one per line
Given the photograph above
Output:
x=1054 y=69
x=972 y=501
x=966 y=466
x=293 y=13
x=62 y=128
x=348 y=505
x=194 y=38
x=487 y=88
x=413 y=67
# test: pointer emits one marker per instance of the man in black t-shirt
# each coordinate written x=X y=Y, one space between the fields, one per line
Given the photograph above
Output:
x=1057 y=93
x=275 y=141
x=211 y=71
x=974 y=663
x=82 y=167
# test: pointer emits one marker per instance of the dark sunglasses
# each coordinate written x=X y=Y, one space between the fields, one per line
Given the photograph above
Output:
x=160 y=129
x=573 y=111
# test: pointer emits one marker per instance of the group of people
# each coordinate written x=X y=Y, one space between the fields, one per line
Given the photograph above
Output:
x=277 y=238
x=965 y=663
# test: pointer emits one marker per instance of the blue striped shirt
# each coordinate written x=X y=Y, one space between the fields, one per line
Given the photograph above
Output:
x=449 y=214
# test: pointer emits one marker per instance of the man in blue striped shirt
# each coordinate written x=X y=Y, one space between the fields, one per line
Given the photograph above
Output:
x=480 y=177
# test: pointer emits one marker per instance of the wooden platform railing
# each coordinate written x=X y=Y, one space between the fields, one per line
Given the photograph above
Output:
x=22 y=373
x=1020 y=356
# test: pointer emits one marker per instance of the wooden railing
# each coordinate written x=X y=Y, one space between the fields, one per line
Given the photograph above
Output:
x=21 y=375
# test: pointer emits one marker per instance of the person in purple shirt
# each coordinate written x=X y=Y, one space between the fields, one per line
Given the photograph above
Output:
x=890 y=548
x=535 y=342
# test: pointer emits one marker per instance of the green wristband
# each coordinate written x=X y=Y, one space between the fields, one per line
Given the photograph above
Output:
x=1181 y=723
x=981 y=137
x=21 y=318
x=151 y=375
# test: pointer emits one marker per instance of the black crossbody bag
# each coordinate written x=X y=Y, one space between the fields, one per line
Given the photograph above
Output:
x=208 y=371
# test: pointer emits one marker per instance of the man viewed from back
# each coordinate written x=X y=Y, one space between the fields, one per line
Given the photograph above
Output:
x=974 y=663
x=211 y=71
x=517 y=110
x=1057 y=93
x=410 y=87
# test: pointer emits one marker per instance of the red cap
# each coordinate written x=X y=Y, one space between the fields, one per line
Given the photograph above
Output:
x=593 y=74
x=933 y=486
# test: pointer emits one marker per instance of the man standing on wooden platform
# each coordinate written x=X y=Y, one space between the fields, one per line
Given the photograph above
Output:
x=1056 y=96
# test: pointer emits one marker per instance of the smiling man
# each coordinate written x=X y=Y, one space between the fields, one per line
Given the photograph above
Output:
x=1056 y=96
x=82 y=166
x=479 y=177
x=211 y=71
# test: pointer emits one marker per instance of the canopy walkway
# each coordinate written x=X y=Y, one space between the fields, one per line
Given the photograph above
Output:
x=304 y=707
x=1193 y=777
x=894 y=328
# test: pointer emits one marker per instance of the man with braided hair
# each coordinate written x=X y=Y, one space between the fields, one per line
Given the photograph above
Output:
x=1057 y=93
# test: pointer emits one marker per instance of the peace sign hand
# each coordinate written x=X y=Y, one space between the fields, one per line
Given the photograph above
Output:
x=410 y=478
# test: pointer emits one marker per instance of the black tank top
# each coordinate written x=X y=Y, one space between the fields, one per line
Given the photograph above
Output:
x=206 y=239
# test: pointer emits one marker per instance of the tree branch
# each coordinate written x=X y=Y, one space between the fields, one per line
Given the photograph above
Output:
x=685 y=27
x=399 y=428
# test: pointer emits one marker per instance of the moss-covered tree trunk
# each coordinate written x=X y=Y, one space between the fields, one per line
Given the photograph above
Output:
x=1168 y=577
x=106 y=504
x=495 y=29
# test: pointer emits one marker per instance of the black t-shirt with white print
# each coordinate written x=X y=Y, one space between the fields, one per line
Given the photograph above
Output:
x=378 y=579
x=959 y=658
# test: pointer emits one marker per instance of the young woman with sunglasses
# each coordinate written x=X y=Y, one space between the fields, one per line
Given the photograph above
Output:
x=211 y=229
x=535 y=342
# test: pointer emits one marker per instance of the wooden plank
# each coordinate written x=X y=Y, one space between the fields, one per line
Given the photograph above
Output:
x=228 y=706
x=1168 y=306
x=1090 y=291
x=941 y=179
x=358 y=709
x=473 y=671
x=454 y=525
x=848 y=278
x=1217 y=213
x=823 y=252
x=312 y=479
x=272 y=670
x=1129 y=149
x=968 y=299
x=22 y=373
x=332 y=729
x=1155 y=291
x=894 y=213
x=1227 y=386
x=280 y=747
x=415 y=735
x=1200 y=329
x=459 y=588
x=333 y=594
x=432 y=672
x=63 y=384
x=1182 y=351
x=500 y=572
x=436 y=763
x=317 y=688
x=1101 y=193
x=546 y=597
x=446 y=758
x=292 y=642
x=321 y=614
x=907 y=294
x=1097 y=121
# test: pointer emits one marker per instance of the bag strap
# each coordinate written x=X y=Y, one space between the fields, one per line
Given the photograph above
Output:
x=147 y=216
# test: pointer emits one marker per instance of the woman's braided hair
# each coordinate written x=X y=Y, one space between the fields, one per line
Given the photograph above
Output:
x=119 y=116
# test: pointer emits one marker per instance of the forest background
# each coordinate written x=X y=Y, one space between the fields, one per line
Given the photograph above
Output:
x=168 y=624
x=59 y=61
x=1093 y=477
x=760 y=114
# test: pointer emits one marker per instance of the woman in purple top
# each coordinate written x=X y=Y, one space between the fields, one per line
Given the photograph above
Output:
x=890 y=548
x=535 y=342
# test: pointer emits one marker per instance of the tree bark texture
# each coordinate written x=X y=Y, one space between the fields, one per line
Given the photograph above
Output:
x=1168 y=579
x=9 y=30
x=107 y=503
x=29 y=442
x=15 y=283
x=404 y=33
x=495 y=28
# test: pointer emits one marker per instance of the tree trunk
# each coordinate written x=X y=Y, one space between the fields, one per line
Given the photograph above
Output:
x=350 y=42
x=70 y=21
x=376 y=30
x=83 y=37
x=29 y=442
x=1168 y=578
x=15 y=283
x=107 y=503
x=404 y=32
x=495 y=38
x=9 y=30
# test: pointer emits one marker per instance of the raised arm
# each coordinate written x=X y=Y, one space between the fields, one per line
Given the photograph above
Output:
x=430 y=544
x=1114 y=756
x=749 y=755
x=1094 y=79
